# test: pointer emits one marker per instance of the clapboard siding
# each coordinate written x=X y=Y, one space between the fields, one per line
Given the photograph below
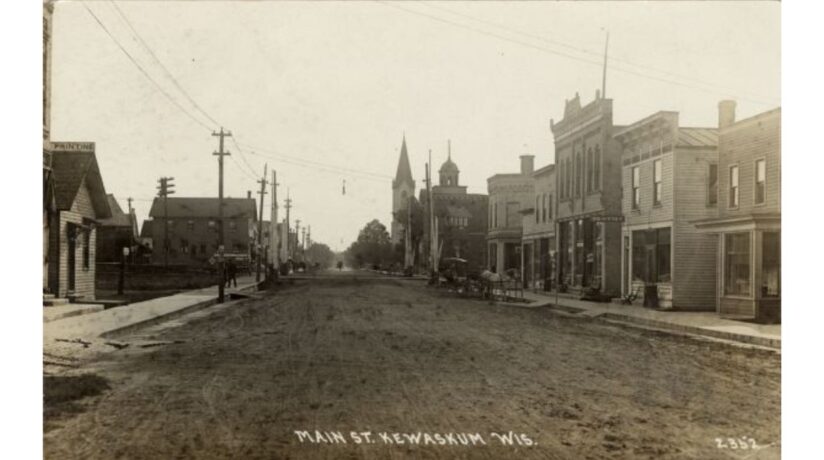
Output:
x=84 y=276
x=647 y=212
x=742 y=145
x=694 y=253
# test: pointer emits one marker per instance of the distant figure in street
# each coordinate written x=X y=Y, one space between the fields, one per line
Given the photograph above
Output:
x=231 y=273
x=340 y=265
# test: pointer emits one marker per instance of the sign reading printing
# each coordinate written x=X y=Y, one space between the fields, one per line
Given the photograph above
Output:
x=417 y=438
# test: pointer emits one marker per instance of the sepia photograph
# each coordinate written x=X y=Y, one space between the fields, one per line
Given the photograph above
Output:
x=410 y=229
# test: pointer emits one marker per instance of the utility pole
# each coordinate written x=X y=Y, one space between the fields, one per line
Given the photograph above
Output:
x=165 y=188
x=308 y=236
x=297 y=238
x=221 y=267
x=288 y=230
x=433 y=244
x=273 y=233
x=259 y=256
x=407 y=262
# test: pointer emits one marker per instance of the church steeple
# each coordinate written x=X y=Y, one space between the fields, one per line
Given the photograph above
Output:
x=404 y=172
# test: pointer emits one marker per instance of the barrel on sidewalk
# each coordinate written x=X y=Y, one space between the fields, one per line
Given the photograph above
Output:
x=651 y=296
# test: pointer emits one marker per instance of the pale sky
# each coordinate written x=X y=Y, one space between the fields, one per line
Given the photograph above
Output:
x=337 y=84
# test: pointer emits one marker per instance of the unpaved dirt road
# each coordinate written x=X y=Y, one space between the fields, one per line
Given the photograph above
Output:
x=256 y=379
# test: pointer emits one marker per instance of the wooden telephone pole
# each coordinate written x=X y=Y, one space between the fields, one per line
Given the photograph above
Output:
x=273 y=230
x=165 y=188
x=288 y=231
x=221 y=266
x=262 y=192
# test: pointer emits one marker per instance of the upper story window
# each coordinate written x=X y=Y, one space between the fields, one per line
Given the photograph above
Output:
x=543 y=208
x=232 y=225
x=636 y=187
x=734 y=186
x=760 y=181
x=596 y=169
x=190 y=225
x=537 y=212
x=657 y=187
x=579 y=174
x=495 y=217
x=712 y=185
x=549 y=205
x=568 y=178
x=589 y=170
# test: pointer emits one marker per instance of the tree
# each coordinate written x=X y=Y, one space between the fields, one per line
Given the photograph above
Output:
x=321 y=254
x=373 y=247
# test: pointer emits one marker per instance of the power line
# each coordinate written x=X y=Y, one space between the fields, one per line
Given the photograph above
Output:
x=575 y=48
x=552 y=51
x=163 y=67
x=310 y=163
x=143 y=71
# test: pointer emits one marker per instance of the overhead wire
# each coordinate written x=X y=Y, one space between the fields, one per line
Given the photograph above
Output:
x=161 y=65
x=552 y=51
x=143 y=71
x=578 y=49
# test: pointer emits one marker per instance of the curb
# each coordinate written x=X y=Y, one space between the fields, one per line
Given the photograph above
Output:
x=742 y=338
x=172 y=314
x=71 y=314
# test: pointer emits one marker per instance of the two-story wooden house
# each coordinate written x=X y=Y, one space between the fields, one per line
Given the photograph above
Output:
x=748 y=223
x=668 y=181
x=588 y=190
x=509 y=195
x=538 y=241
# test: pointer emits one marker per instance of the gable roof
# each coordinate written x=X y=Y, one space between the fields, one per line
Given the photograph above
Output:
x=70 y=170
x=182 y=207
x=118 y=218
x=404 y=172
x=146 y=229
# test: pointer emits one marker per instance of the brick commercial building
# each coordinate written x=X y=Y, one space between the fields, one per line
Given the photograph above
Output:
x=748 y=223
x=668 y=177
x=509 y=196
x=461 y=218
x=193 y=228
x=538 y=240
x=588 y=184
x=80 y=201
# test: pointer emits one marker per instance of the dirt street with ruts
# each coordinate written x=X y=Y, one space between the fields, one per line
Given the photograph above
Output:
x=353 y=366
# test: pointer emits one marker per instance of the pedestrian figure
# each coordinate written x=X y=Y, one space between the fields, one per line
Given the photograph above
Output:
x=231 y=273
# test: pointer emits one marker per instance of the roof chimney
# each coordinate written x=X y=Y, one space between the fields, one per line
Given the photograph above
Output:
x=248 y=194
x=726 y=114
x=527 y=164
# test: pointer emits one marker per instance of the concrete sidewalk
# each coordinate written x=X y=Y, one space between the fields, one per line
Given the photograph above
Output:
x=121 y=319
x=708 y=324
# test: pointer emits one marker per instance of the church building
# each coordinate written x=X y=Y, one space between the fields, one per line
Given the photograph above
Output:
x=403 y=188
